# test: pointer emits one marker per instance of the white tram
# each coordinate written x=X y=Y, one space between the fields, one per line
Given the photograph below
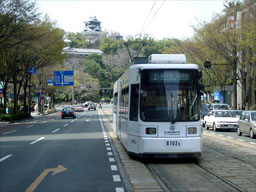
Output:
x=156 y=107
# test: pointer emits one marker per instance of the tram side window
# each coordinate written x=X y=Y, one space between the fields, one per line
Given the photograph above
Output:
x=124 y=103
x=134 y=102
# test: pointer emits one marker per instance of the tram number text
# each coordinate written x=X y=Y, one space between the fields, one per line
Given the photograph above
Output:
x=174 y=143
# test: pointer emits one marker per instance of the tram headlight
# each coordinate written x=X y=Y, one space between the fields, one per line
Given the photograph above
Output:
x=150 y=130
x=192 y=130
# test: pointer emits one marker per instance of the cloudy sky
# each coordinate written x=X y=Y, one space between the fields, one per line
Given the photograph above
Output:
x=157 y=18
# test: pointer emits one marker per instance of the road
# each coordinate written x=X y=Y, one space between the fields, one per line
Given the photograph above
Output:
x=53 y=154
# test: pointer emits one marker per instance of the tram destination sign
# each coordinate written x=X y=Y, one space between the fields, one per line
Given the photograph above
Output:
x=170 y=76
x=63 y=78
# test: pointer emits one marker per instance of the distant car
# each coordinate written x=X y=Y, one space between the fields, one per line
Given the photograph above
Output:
x=247 y=123
x=204 y=110
x=221 y=119
x=92 y=106
x=237 y=112
x=218 y=106
x=86 y=104
x=78 y=109
x=67 y=112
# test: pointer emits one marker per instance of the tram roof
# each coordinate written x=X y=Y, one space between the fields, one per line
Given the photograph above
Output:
x=165 y=66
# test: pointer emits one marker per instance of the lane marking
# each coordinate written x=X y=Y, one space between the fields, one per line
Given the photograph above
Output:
x=41 y=138
x=252 y=143
x=107 y=144
x=119 y=189
x=110 y=153
x=4 y=158
x=30 y=126
x=72 y=121
x=116 y=178
x=41 y=177
x=108 y=148
x=65 y=125
x=9 y=132
x=111 y=160
x=230 y=137
x=240 y=140
x=55 y=130
x=113 y=167
x=220 y=135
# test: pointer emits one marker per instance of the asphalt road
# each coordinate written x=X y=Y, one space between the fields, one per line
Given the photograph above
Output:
x=53 y=154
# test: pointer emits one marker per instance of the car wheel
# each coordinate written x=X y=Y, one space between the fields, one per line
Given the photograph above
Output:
x=239 y=133
x=214 y=127
x=252 y=134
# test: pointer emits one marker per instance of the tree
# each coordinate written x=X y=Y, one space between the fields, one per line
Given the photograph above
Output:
x=78 y=40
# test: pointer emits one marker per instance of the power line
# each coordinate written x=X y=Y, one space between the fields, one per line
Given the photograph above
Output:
x=154 y=15
x=148 y=15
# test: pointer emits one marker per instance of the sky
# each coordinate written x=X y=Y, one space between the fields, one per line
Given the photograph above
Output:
x=157 y=18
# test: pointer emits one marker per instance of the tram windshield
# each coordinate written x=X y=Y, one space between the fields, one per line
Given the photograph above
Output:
x=169 y=96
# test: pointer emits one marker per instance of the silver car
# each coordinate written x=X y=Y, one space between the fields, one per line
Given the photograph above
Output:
x=247 y=123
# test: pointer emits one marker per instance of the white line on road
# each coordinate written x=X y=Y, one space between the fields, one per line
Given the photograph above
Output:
x=240 y=140
x=65 y=125
x=9 y=132
x=230 y=137
x=119 y=189
x=252 y=143
x=116 y=178
x=72 y=121
x=4 y=158
x=30 y=126
x=41 y=138
x=111 y=159
x=220 y=135
x=113 y=167
x=108 y=148
x=55 y=130
x=110 y=153
x=107 y=144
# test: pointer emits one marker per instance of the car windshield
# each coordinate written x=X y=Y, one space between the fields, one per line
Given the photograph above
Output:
x=224 y=114
x=237 y=112
x=205 y=108
x=253 y=114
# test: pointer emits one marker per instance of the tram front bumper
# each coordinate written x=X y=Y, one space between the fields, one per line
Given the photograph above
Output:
x=188 y=145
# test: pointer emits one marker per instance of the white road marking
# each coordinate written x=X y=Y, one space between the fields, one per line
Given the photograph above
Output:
x=41 y=138
x=119 y=189
x=252 y=143
x=240 y=140
x=4 y=158
x=108 y=148
x=65 y=125
x=116 y=178
x=113 y=167
x=30 y=126
x=111 y=159
x=230 y=137
x=55 y=130
x=9 y=132
x=107 y=144
x=110 y=153
x=72 y=121
x=220 y=135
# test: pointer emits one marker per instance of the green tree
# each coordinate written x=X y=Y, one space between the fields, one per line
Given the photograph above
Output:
x=78 y=40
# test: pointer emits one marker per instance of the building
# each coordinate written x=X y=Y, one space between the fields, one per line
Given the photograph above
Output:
x=92 y=29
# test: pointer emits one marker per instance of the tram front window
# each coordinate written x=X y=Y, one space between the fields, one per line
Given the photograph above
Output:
x=169 y=96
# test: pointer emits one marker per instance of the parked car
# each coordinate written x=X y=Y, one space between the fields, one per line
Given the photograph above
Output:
x=67 y=112
x=78 y=109
x=218 y=106
x=237 y=112
x=221 y=119
x=247 y=123
x=92 y=106
x=86 y=104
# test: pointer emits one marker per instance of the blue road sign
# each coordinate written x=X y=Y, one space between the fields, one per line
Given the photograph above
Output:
x=50 y=83
x=32 y=70
x=63 y=78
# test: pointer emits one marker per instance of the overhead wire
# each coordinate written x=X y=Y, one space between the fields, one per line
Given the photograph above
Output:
x=154 y=16
x=148 y=15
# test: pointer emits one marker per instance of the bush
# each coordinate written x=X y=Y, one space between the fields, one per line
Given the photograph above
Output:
x=13 y=117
